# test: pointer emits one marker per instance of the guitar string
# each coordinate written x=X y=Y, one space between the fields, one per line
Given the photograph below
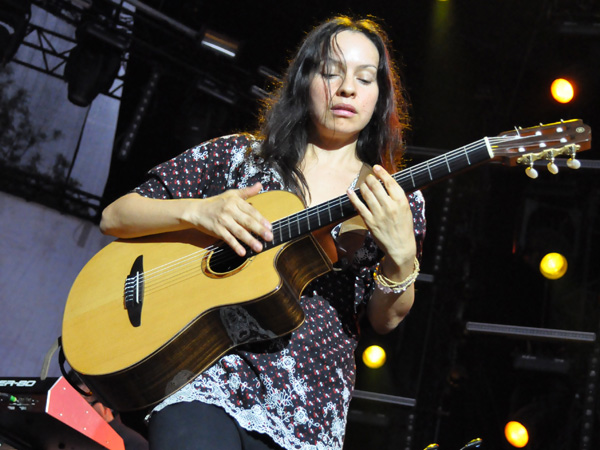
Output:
x=432 y=163
x=178 y=266
x=415 y=172
x=310 y=213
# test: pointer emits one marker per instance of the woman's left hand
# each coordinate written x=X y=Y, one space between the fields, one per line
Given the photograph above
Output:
x=387 y=214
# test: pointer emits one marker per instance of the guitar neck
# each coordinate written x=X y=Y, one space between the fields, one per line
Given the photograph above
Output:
x=410 y=179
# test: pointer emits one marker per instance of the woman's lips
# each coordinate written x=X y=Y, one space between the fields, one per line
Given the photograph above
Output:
x=343 y=110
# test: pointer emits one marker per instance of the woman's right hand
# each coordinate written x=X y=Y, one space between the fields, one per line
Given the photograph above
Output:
x=227 y=216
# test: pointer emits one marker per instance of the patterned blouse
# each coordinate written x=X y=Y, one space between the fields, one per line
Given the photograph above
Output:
x=297 y=392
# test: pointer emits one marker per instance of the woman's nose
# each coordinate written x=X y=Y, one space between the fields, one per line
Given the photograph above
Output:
x=347 y=88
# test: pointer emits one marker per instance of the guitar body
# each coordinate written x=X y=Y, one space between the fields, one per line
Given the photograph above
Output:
x=191 y=315
x=145 y=316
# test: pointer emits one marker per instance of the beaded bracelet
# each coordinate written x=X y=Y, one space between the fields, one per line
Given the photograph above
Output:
x=387 y=286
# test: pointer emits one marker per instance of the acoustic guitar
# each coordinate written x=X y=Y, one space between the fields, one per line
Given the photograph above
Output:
x=145 y=316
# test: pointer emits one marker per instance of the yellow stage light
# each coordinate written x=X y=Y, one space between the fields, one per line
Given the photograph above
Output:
x=562 y=90
x=553 y=266
x=516 y=434
x=374 y=357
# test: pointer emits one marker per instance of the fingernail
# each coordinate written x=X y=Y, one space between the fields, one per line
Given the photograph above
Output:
x=267 y=236
x=257 y=247
x=267 y=224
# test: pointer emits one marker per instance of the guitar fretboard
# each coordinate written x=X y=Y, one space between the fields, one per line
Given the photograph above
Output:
x=410 y=179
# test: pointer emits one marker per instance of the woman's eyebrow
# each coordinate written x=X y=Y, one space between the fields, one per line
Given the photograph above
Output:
x=338 y=63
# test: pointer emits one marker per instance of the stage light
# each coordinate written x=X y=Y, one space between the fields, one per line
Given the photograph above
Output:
x=516 y=434
x=553 y=266
x=14 y=18
x=93 y=63
x=562 y=90
x=374 y=356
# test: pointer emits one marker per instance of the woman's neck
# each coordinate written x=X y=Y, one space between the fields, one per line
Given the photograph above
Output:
x=342 y=156
x=332 y=140
x=329 y=172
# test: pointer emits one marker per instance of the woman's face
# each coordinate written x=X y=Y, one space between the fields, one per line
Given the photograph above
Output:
x=343 y=94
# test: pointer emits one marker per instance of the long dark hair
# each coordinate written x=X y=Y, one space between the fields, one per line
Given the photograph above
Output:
x=284 y=121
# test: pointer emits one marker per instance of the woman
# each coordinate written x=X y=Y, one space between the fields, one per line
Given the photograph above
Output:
x=337 y=113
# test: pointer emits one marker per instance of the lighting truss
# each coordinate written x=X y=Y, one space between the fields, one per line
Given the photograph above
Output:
x=52 y=49
x=52 y=61
x=50 y=45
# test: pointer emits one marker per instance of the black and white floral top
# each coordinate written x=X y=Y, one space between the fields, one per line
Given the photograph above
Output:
x=298 y=394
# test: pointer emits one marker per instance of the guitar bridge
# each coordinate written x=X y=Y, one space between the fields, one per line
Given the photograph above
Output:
x=134 y=292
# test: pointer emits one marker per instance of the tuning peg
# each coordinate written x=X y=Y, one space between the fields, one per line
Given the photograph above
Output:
x=475 y=443
x=573 y=163
x=531 y=172
x=552 y=168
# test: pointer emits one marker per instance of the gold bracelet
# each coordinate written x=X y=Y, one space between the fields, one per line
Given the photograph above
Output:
x=387 y=286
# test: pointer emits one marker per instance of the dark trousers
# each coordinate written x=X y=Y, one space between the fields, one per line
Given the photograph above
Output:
x=199 y=426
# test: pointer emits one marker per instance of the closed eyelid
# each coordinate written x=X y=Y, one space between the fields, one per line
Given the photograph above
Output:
x=372 y=70
x=366 y=75
x=364 y=72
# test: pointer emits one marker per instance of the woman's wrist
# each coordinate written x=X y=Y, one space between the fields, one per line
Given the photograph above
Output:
x=397 y=267
x=399 y=282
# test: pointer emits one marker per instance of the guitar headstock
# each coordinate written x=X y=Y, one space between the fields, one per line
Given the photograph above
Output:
x=525 y=146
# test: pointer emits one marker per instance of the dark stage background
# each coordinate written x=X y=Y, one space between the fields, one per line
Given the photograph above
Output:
x=471 y=69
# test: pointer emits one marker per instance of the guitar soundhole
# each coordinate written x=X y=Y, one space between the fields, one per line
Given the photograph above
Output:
x=224 y=261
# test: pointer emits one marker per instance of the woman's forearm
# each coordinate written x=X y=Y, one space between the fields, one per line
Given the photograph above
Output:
x=134 y=215
x=227 y=216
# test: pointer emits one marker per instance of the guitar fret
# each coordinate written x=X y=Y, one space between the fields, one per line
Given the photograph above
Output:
x=429 y=170
x=467 y=155
x=447 y=162
x=318 y=216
